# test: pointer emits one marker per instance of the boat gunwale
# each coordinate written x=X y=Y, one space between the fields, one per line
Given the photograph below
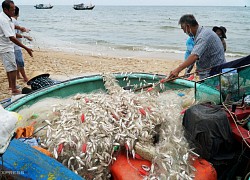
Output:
x=97 y=77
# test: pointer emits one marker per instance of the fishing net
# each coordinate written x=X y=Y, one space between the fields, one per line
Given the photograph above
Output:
x=229 y=86
x=84 y=132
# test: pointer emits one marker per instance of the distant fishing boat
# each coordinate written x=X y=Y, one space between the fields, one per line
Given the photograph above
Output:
x=43 y=6
x=83 y=7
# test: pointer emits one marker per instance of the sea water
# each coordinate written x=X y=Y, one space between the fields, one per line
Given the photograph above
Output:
x=132 y=31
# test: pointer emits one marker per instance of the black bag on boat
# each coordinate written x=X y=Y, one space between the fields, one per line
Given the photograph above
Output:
x=208 y=131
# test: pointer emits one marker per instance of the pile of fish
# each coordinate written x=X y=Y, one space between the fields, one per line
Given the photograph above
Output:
x=86 y=131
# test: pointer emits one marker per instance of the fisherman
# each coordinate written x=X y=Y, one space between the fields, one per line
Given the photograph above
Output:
x=208 y=50
x=7 y=38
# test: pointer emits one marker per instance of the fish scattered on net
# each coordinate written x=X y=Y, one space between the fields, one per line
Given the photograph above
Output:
x=85 y=131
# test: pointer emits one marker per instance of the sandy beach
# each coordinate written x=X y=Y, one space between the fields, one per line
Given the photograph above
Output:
x=64 y=65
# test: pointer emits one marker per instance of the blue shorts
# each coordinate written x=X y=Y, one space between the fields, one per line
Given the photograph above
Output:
x=19 y=58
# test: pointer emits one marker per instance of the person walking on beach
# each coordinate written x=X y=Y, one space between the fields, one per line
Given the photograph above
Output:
x=7 y=38
x=208 y=50
x=190 y=46
x=221 y=32
x=18 y=49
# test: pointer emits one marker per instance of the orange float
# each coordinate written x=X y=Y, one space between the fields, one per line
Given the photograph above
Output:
x=122 y=170
x=204 y=170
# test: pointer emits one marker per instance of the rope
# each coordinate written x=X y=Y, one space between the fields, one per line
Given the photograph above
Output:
x=231 y=114
x=247 y=176
x=137 y=169
x=130 y=162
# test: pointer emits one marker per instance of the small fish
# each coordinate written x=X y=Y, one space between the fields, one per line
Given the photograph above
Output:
x=55 y=153
x=93 y=169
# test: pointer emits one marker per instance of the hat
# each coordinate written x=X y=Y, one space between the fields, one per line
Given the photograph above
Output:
x=36 y=74
x=222 y=28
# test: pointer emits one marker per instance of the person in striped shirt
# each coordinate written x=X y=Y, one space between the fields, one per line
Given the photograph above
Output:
x=208 y=50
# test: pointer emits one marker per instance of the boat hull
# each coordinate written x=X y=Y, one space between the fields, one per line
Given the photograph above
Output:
x=84 y=8
x=24 y=161
x=44 y=8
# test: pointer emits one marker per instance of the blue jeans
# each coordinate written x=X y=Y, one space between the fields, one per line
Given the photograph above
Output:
x=19 y=58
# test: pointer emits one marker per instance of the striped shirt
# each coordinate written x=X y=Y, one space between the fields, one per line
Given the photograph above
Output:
x=209 y=49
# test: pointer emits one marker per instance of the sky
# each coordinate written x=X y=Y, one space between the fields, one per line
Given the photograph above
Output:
x=139 y=2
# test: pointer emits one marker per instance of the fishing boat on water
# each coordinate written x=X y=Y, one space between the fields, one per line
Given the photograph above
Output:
x=43 y=6
x=83 y=7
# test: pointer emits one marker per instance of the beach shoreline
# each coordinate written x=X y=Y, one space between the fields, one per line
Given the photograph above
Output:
x=66 y=65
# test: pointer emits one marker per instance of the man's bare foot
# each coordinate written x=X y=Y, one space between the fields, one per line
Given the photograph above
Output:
x=17 y=87
x=25 y=79
x=16 y=92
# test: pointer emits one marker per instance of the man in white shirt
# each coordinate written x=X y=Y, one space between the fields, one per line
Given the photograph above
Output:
x=7 y=38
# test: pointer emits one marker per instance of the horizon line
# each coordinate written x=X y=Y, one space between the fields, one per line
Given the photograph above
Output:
x=144 y=5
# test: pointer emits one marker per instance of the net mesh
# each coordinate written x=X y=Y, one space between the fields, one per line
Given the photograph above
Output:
x=232 y=85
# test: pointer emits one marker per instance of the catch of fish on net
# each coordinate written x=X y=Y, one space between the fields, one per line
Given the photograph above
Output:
x=86 y=132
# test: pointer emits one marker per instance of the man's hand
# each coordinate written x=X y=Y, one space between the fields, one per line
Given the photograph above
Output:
x=28 y=37
x=29 y=51
x=15 y=40
x=174 y=73
x=191 y=59
x=23 y=29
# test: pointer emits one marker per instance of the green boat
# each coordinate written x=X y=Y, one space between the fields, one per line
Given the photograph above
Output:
x=85 y=84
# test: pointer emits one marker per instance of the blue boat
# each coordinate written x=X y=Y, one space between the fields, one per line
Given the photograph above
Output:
x=21 y=161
